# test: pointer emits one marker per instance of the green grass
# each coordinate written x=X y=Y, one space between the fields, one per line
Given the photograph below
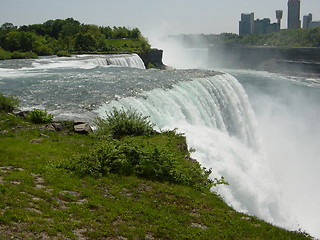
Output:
x=39 y=200
x=128 y=45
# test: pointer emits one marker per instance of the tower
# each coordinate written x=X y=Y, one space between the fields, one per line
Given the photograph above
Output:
x=306 y=20
x=246 y=25
x=294 y=14
x=279 y=14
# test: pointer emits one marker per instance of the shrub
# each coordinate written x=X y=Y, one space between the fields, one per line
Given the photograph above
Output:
x=23 y=55
x=63 y=53
x=5 y=54
x=44 y=51
x=38 y=116
x=8 y=104
x=119 y=123
x=140 y=158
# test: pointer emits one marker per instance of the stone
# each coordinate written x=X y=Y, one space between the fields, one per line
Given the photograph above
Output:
x=36 y=141
x=82 y=128
x=58 y=126
x=197 y=225
x=23 y=114
x=50 y=128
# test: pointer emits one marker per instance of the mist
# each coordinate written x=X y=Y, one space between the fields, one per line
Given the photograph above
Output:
x=287 y=112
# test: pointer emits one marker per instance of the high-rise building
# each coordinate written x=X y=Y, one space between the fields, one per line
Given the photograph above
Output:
x=306 y=20
x=246 y=25
x=294 y=14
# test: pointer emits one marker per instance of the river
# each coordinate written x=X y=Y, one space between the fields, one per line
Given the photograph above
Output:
x=259 y=130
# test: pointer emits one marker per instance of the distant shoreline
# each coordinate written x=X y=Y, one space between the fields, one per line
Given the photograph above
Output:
x=301 y=61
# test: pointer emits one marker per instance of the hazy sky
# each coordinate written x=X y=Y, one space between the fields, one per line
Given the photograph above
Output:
x=151 y=16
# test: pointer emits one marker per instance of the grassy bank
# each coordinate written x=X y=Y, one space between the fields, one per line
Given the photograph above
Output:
x=40 y=200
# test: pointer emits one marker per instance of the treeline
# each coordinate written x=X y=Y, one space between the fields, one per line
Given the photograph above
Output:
x=289 y=38
x=286 y=38
x=68 y=36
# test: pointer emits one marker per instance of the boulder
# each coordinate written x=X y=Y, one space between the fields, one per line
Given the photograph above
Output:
x=82 y=128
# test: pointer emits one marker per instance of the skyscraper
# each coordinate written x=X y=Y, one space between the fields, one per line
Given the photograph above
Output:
x=246 y=25
x=294 y=14
x=306 y=20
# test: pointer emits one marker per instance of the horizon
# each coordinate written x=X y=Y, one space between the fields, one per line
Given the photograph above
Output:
x=154 y=19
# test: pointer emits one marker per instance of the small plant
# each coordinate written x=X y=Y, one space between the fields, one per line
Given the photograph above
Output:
x=119 y=123
x=8 y=104
x=38 y=116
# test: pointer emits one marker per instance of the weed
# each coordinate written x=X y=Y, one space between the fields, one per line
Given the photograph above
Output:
x=38 y=116
x=8 y=104
x=119 y=123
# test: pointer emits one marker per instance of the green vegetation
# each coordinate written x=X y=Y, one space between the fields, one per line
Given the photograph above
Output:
x=38 y=116
x=285 y=38
x=133 y=197
x=120 y=123
x=140 y=154
x=8 y=104
x=63 y=37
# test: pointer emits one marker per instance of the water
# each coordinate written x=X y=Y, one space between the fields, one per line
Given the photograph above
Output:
x=258 y=130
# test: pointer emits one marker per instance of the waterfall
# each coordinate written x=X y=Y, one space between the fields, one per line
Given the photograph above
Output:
x=126 y=60
x=216 y=116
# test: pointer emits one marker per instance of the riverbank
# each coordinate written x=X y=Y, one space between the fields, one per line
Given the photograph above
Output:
x=301 y=61
x=40 y=200
x=151 y=58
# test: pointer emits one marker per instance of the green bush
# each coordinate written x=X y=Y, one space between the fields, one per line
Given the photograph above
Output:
x=63 y=53
x=141 y=158
x=38 y=116
x=8 y=104
x=5 y=54
x=44 y=50
x=119 y=123
x=23 y=55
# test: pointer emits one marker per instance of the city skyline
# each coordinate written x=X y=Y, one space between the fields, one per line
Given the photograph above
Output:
x=150 y=16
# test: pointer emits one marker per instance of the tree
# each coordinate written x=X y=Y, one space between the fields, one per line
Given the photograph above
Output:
x=7 y=27
x=84 y=42
x=19 y=41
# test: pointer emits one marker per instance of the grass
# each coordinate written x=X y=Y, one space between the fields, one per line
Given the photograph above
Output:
x=41 y=201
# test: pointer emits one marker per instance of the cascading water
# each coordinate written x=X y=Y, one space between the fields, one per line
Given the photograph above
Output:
x=212 y=110
x=216 y=117
x=126 y=60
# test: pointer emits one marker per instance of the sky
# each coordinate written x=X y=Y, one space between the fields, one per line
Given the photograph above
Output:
x=152 y=17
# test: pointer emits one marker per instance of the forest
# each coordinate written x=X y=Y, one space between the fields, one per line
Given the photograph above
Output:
x=286 y=38
x=63 y=37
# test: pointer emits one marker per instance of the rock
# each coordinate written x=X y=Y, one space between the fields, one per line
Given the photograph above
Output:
x=36 y=141
x=58 y=126
x=23 y=114
x=50 y=128
x=154 y=57
x=43 y=135
x=197 y=225
x=82 y=128
x=4 y=132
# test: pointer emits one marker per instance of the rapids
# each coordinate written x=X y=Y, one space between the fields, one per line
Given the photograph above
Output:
x=256 y=129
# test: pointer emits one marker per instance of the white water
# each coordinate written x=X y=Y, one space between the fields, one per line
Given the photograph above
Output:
x=219 y=123
x=75 y=62
x=126 y=60
x=216 y=116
